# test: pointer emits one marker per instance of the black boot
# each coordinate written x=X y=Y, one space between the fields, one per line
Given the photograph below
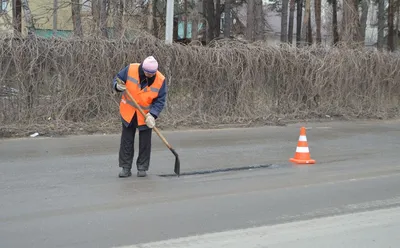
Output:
x=141 y=173
x=125 y=172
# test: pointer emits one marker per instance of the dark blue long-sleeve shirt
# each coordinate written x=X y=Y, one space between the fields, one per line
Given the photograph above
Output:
x=159 y=102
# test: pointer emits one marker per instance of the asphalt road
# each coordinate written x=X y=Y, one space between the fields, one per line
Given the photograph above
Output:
x=64 y=192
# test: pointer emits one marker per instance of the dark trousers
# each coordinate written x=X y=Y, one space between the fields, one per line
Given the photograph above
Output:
x=126 y=150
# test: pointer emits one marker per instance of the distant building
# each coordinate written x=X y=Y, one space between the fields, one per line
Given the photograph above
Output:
x=6 y=18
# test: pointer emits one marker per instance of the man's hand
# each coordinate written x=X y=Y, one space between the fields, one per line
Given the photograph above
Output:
x=120 y=85
x=150 y=121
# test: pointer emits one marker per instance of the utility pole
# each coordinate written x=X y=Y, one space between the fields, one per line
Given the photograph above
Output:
x=169 y=27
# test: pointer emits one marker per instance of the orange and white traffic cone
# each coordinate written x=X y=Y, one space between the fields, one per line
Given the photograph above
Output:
x=302 y=154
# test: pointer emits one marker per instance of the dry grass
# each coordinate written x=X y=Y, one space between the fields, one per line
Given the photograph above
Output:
x=67 y=83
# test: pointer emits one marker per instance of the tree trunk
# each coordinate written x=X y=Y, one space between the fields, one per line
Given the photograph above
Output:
x=381 y=23
x=103 y=18
x=284 y=21
x=99 y=13
x=195 y=20
x=309 y=31
x=28 y=16
x=250 y=20
x=155 y=23
x=335 y=23
x=291 y=20
x=217 y=27
x=396 y=35
x=118 y=12
x=210 y=17
x=228 y=19
x=298 y=21
x=306 y=20
x=185 y=26
x=17 y=16
x=391 y=26
x=317 y=5
x=364 y=17
x=259 y=20
x=351 y=24
x=76 y=18
x=150 y=16
x=55 y=12
x=96 y=16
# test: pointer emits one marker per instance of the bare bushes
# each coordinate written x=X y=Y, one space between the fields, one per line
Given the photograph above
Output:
x=56 y=81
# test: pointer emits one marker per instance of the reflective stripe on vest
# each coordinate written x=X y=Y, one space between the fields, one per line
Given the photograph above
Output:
x=128 y=101
x=132 y=80
x=151 y=89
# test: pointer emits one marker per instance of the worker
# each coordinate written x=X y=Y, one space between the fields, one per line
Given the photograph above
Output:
x=147 y=85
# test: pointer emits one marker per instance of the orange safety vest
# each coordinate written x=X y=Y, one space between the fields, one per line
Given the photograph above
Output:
x=144 y=97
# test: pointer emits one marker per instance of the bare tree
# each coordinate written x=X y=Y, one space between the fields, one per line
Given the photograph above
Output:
x=208 y=6
x=55 y=10
x=351 y=31
x=228 y=18
x=195 y=19
x=76 y=18
x=185 y=26
x=217 y=27
x=155 y=22
x=150 y=17
x=364 y=16
x=291 y=20
x=103 y=18
x=317 y=5
x=381 y=23
x=390 y=41
x=335 y=23
x=396 y=36
x=298 y=21
x=30 y=24
x=99 y=13
x=119 y=18
x=307 y=22
x=259 y=18
x=335 y=32
x=96 y=15
x=250 y=20
x=17 y=16
x=284 y=21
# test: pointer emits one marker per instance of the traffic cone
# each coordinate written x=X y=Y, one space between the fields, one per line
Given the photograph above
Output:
x=302 y=154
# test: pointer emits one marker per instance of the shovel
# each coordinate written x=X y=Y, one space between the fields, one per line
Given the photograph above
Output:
x=177 y=167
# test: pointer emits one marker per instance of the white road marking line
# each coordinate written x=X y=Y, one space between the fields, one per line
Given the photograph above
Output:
x=289 y=233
